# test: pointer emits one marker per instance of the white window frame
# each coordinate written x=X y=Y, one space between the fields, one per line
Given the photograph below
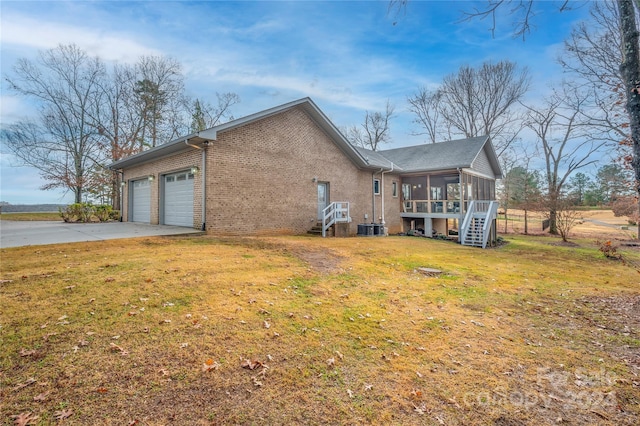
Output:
x=394 y=189
x=376 y=186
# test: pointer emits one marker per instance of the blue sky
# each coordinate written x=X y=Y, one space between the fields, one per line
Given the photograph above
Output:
x=349 y=57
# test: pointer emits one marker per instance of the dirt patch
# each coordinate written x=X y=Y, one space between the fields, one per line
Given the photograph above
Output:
x=323 y=261
x=565 y=244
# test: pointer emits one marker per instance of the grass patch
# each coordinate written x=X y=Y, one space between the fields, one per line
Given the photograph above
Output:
x=303 y=330
x=40 y=216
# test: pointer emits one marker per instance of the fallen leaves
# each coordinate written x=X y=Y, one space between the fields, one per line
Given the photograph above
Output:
x=24 y=419
x=41 y=397
x=252 y=365
x=26 y=353
x=26 y=383
x=116 y=348
x=62 y=414
x=210 y=365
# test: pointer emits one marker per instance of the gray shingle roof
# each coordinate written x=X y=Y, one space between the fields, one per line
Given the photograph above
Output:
x=448 y=155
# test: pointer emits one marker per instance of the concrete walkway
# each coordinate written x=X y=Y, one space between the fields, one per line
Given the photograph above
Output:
x=32 y=233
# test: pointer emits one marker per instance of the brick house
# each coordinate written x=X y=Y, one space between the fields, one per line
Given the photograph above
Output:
x=288 y=168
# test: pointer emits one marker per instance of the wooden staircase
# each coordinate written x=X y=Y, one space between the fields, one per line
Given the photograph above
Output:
x=474 y=235
x=477 y=223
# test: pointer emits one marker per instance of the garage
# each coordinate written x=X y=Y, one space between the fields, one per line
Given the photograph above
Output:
x=141 y=200
x=178 y=199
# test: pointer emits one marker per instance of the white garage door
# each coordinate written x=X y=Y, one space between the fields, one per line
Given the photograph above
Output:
x=141 y=201
x=178 y=199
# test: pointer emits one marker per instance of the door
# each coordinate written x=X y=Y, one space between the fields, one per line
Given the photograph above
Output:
x=323 y=197
x=178 y=199
x=140 y=200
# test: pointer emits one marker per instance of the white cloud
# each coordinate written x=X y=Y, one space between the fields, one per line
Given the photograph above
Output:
x=20 y=31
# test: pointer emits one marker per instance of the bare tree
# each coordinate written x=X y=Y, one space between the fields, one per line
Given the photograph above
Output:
x=119 y=124
x=628 y=38
x=567 y=217
x=474 y=102
x=158 y=91
x=204 y=115
x=593 y=54
x=425 y=105
x=63 y=145
x=375 y=129
x=564 y=140
x=520 y=185
x=630 y=68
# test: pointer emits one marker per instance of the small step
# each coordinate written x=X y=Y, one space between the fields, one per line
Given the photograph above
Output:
x=317 y=229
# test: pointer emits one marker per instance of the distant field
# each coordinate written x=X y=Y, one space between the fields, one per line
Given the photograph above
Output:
x=30 y=216
x=594 y=223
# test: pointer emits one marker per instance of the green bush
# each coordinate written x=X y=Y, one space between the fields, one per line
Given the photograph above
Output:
x=87 y=212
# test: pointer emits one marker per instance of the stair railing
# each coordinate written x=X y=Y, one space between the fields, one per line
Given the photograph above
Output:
x=336 y=212
x=492 y=212
x=466 y=223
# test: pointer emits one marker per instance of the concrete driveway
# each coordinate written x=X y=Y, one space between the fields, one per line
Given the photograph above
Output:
x=17 y=233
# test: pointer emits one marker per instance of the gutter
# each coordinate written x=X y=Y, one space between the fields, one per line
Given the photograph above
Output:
x=203 y=173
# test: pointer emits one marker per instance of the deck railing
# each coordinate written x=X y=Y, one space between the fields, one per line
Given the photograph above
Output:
x=336 y=212
x=431 y=206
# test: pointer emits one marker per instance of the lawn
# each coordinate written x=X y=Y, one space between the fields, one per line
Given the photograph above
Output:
x=31 y=216
x=305 y=330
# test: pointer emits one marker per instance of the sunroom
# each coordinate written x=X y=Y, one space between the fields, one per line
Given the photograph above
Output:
x=435 y=203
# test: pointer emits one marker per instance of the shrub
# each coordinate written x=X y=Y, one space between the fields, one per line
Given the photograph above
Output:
x=103 y=213
x=609 y=250
x=86 y=212
x=627 y=206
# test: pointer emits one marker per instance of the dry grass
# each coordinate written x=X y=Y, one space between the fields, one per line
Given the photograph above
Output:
x=600 y=224
x=31 y=216
x=340 y=331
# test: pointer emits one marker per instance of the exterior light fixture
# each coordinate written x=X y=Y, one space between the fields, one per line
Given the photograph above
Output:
x=194 y=170
x=315 y=179
x=151 y=178
x=123 y=183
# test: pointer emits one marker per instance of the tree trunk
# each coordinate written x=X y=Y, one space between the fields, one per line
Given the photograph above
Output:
x=526 y=223
x=553 y=228
x=630 y=69
x=506 y=222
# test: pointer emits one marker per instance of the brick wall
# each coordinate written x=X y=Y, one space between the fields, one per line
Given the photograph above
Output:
x=191 y=157
x=261 y=177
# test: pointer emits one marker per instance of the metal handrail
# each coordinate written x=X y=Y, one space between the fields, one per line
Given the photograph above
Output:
x=336 y=212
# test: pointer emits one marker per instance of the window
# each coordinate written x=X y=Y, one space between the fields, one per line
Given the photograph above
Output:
x=376 y=186
x=406 y=191
x=181 y=177
x=394 y=189
x=170 y=178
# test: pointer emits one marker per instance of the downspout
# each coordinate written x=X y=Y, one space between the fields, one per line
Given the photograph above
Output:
x=204 y=185
x=461 y=190
x=121 y=191
x=203 y=217
x=382 y=190
x=373 y=194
